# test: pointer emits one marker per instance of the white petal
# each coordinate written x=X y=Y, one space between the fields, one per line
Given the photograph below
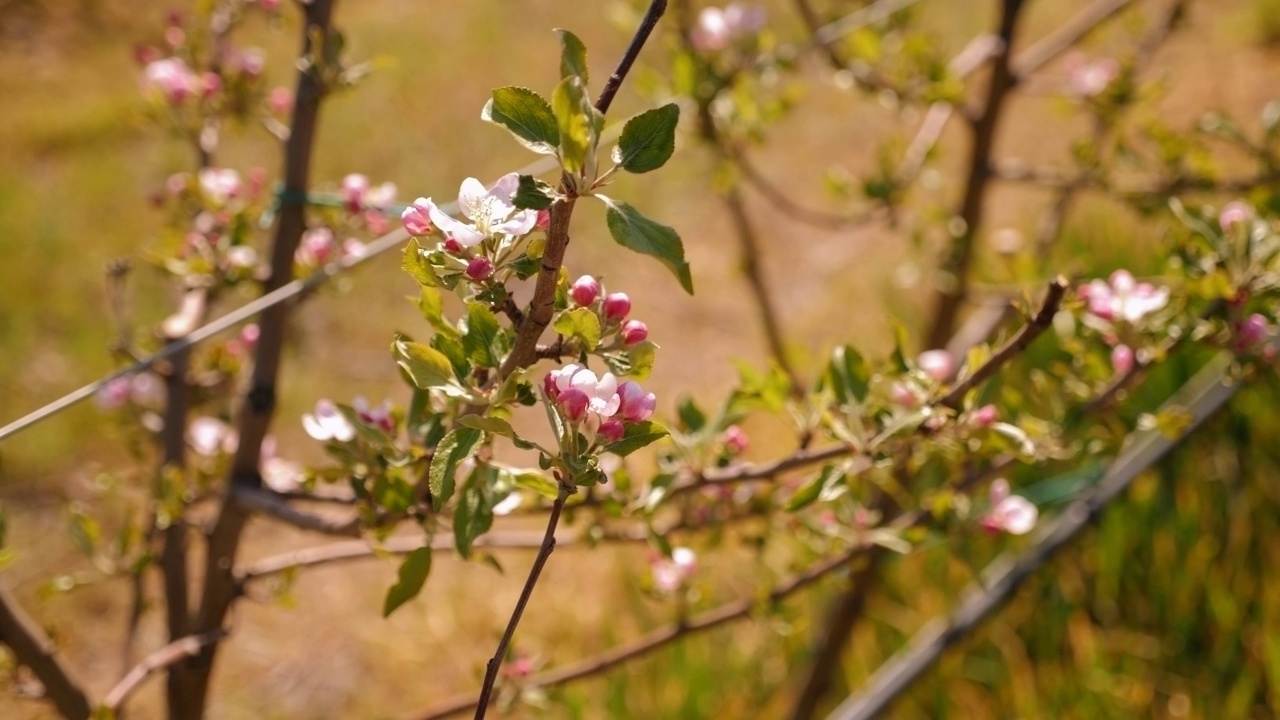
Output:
x=505 y=187
x=1018 y=515
x=519 y=224
x=471 y=197
x=463 y=233
x=314 y=428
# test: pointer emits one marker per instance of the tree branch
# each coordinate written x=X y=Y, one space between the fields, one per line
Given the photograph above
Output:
x=1203 y=395
x=34 y=649
x=167 y=656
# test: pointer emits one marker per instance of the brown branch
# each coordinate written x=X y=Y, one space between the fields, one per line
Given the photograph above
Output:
x=1042 y=320
x=954 y=270
x=814 y=24
x=278 y=507
x=259 y=403
x=647 y=25
x=31 y=647
x=1203 y=395
x=165 y=657
x=1064 y=37
x=661 y=637
x=544 y=552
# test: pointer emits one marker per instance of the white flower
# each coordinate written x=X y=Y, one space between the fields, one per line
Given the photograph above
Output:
x=601 y=393
x=490 y=210
x=219 y=184
x=209 y=436
x=328 y=423
x=1123 y=297
x=1013 y=514
x=671 y=574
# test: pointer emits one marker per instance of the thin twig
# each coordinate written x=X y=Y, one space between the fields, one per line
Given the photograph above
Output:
x=544 y=552
x=31 y=647
x=735 y=610
x=1064 y=37
x=273 y=505
x=1202 y=396
x=167 y=656
x=1042 y=320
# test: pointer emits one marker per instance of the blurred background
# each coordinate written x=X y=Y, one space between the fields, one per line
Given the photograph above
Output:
x=1167 y=609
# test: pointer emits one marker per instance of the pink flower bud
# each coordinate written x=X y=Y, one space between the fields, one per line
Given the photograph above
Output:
x=250 y=333
x=145 y=54
x=634 y=331
x=253 y=62
x=611 y=430
x=636 y=405
x=210 y=83
x=1252 y=330
x=1122 y=359
x=903 y=395
x=451 y=245
x=735 y=440
x=573 y=402
x=257 y=181
x=174 y=36
x=549 y=386
x=280 y=100
x=269 y=5
x=544 y=220
x=415 y=218
x=584 y=290
x=616 y=306
x=479 y=268
x=1234 y=213
x=984 y=416
x=937 y=364
x=354 y=186
x=114 y=394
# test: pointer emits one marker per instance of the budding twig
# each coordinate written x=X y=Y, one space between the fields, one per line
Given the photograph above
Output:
x=33 y=648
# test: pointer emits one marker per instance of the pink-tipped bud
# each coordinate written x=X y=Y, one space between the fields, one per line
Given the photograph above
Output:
x=544 y=220
x=1252 y=331
x=635 y=404
x=937 y=364
x=174 y=36
x=735 y=440
x=549 y=386
x=1122 y=359
x=1234 y=213
x=146 y=54
x=616 y=306
x=584 y=290
x=479 y=268
x=612 y=430
x=253 y=62
x=210 y=84
x=451 y=245
x=250 y=333
x=257 y=182
x=280 y=100
x=354 y=186
x=985 y=416
x=573 y=402
x=634 y=331
x=415 y=218
x=902 y=395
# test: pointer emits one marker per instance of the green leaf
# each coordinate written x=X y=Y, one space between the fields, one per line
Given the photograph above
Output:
x=815 y=488
x=636 y=436
x=451 y=347
x=494 y=426
x=457 y=445
x=534 y=194
x=635 y=231
x=426 y=366
x=581 y=323
x=642 y=357
x=474 y=515
x=849 y=373
x=691 y=417
x=415 y=263
x=483 y=338
x=572 y=110
x=411 y=577
x=527 y=115
x=431 y=304
x=393 y=493
x=535 y=481
x=648 y=139
x=573 y=56
x=85 y=532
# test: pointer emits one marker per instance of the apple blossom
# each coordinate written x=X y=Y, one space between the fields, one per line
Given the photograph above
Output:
x=1251 y=331
x=584 y=290
x=937 y=364
x=415 y=217
x=905 y=395
x=353 y=249
x=735 y=440
x=219 y=185
x=716 y=27
x=634 y=331
x=671 y=574
x=544 y=220
x=379 y=417
x=114 y=393
x=147 y=390
x=171 y=79
x=984 y=416
x=328 y=423
x=280 y=100
x=1089 y=79
x=354 y=186
x=616 y=306
x=316 y=247
x=1013 y=514
x=1123 y=297
x=490 y=211
x=598 y=395
x=209 y=436
x=1234 y=213
x=634 y=404
x=210 y=84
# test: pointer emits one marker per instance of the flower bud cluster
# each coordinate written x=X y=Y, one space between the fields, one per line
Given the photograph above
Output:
x=612 y=308
x=599 y=404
